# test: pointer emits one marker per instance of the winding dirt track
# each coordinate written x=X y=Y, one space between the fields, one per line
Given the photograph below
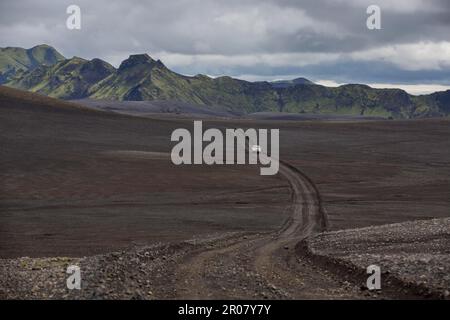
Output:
x=265 y=265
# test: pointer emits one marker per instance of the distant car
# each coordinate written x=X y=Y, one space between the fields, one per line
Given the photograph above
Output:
x=256 y=148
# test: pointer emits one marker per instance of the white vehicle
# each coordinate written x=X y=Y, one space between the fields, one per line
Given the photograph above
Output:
x=256 y=148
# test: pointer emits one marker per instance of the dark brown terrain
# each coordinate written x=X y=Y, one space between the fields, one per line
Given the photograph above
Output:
x=74 y=184
x=82 y=183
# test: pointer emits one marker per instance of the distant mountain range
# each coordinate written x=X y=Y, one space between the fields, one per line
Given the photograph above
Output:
x=43 y=70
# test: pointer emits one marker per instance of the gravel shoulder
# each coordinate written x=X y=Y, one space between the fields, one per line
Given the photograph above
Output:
x=414 y=256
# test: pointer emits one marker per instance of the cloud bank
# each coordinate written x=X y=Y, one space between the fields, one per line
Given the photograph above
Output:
x=254 y=39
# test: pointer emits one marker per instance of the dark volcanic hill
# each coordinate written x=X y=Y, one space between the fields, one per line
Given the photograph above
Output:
x=141 y=78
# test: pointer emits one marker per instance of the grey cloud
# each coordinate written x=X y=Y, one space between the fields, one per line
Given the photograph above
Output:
x=114 y=29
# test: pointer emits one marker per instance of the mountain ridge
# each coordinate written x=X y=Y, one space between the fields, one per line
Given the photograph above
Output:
x=290 y=83
x=16 y=59
x=142 y=78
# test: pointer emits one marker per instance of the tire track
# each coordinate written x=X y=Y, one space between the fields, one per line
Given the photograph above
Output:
x=245 y=267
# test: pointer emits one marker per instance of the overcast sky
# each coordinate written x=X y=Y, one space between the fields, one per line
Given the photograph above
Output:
x=324 y=40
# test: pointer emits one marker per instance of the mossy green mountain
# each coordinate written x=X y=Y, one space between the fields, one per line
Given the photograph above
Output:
x=142 y=78
x=14 y=59
x=67 y=79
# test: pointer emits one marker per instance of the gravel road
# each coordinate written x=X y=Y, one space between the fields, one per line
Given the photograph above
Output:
x=250 y=265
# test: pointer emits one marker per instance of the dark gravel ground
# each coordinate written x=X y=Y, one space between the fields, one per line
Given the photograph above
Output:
x=135 y=273
x=415 y=254
x=414 y=258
